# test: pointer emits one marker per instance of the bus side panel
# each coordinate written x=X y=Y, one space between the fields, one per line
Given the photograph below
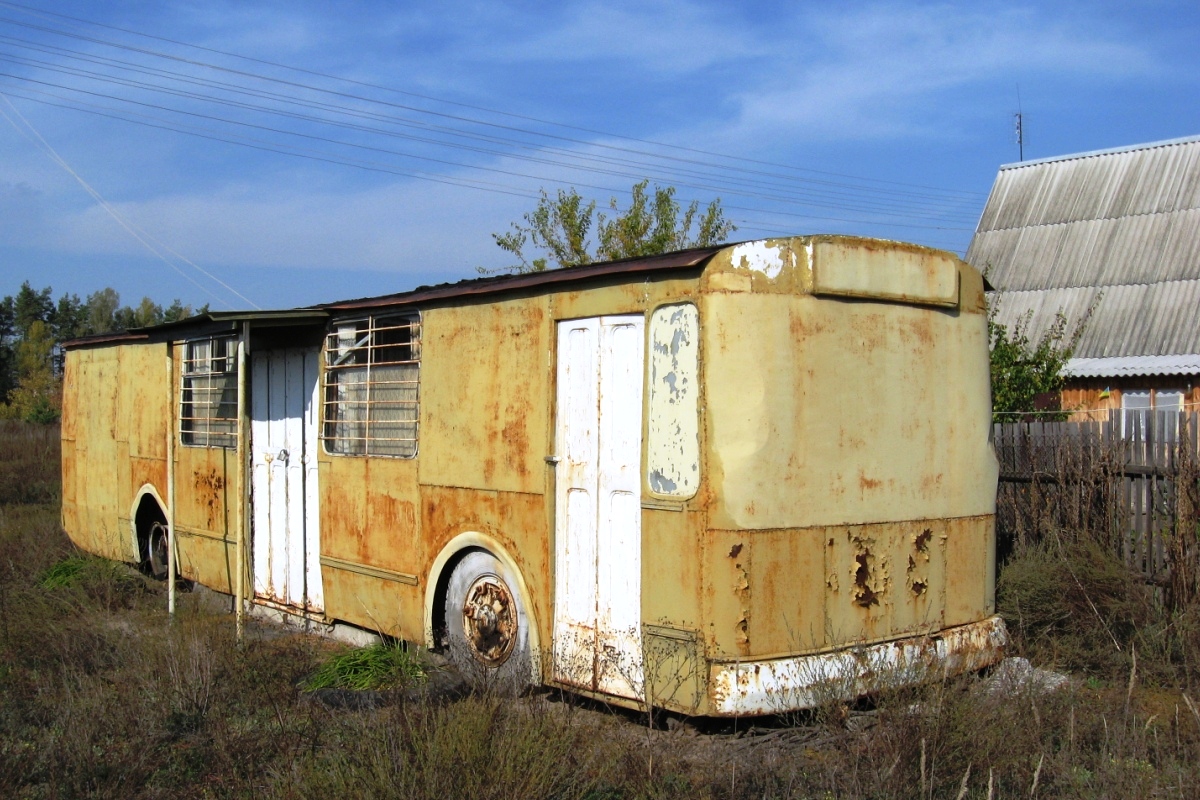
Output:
x=369 y=519
x=92 y=409
x=485 y=396
x=206 y=514
x=517 y=521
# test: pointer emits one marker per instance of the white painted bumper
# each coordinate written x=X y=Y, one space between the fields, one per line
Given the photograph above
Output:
x=790 y=684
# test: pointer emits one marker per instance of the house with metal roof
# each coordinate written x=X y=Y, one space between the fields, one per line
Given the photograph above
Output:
x=1116 y=231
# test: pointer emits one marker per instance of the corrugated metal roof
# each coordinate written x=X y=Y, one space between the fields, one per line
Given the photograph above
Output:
x=1121 y=225
x=1125 y=366
x=1150 y=319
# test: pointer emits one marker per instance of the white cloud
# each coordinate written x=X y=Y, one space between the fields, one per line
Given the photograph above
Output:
x=877 y=71
x=408 y=227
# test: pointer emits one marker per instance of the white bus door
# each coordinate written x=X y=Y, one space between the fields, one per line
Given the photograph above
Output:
x=598 y=530
x=284 y=409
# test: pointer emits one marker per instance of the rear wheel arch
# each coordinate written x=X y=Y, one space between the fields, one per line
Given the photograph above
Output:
x=436 y=588
x=148 y=520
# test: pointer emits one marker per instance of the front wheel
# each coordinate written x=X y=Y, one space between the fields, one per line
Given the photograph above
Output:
x=487 y=624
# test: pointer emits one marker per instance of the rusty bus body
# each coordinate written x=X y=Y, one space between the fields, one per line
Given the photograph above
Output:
x=733 y=480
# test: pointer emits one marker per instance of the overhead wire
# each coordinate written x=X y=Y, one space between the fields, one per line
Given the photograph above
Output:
x=144 y=238
x=869 y=206
x=877 y=202
x=383 y=168
x=294 y=84
x=392 y=90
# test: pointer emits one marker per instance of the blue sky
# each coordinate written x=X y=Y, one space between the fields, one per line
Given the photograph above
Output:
x=290 y=153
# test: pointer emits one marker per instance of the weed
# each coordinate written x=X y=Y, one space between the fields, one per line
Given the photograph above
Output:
x=64 y=573
x=387 y=665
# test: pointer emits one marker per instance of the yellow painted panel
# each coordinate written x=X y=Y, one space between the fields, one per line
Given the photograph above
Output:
x=485 y=395
x=970 y=556
x=378 y=605
x=144 y=379
x=206 y=489
x=826 y=412
x=208 y=561
x=376 y=521
x=787 y=591
x=671 y=577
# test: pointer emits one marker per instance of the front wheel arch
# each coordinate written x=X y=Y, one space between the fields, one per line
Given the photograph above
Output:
x=439 y=577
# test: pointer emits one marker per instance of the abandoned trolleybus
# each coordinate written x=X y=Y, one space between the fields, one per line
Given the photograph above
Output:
x=730 y=480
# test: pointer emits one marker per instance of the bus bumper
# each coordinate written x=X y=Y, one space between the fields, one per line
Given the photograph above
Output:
x=790 y=684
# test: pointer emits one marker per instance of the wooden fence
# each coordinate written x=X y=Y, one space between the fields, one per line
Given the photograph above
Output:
x=1129 y=482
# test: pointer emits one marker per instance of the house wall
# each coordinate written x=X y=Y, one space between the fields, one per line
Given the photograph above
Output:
x=1094 y=398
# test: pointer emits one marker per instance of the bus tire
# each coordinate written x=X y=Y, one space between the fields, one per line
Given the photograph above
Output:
x=156 y=551
x=486 y=623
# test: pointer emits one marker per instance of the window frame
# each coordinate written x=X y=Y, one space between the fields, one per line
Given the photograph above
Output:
x=353 y=435
x=661 y=428
x=202 y=368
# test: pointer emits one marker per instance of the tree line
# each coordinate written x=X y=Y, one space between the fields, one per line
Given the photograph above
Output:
x=33 y=327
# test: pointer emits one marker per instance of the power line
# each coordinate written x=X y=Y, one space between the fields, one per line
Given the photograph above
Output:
x=383 y=168
x=715 y=183
x=431 y=98
x=145 y=239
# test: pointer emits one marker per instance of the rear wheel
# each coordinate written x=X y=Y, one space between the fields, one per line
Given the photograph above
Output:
x=156 y=550
x=487 y=623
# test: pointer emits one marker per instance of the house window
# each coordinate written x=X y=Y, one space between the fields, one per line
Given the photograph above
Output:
x=208 y=412
x=372 y=371
x=1151 y=413
x=673 y=388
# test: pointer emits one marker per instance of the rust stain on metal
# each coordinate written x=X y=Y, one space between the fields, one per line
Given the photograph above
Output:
x=490 y=621
x=921 y=540
x=733 y=551
x=210 y=489
x=864 y=594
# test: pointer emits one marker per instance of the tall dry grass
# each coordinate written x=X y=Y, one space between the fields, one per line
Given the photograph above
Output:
x=102 y=696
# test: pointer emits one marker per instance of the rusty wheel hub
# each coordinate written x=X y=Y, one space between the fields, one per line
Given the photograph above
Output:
x=490 y=620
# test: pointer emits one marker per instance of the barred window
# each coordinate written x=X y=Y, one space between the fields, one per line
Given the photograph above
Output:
x=372 y=371
x=208 y=412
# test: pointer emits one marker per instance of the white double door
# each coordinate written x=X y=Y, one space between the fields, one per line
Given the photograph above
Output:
x=598 y=530
x=284 y=412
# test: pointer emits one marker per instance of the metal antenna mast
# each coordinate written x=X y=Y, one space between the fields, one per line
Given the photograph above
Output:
x=1020 y=126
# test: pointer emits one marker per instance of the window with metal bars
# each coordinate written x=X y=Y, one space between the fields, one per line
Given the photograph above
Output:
x=208 y=408
x=372 y=372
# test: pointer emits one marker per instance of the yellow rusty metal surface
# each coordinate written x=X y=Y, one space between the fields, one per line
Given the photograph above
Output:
x=883 y=270
x=672 y=581
x=383 y=606
x=846 y=485
x=369 y=511
x=517 y=521
x=772 y=593
x=785 y=684
x=207 y=559
x=971 y=569
x=827 y=412
x=91 y=411
x=485 y=396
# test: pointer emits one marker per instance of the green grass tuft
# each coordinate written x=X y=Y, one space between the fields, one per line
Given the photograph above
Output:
x=380 y=666
x=67 y=572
